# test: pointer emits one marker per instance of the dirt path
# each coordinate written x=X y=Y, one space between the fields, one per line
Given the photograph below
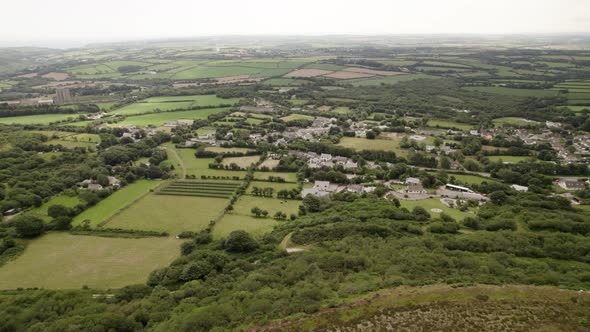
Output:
x=180 y=162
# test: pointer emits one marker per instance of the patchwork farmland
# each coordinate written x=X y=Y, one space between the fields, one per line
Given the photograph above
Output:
x=219 y=189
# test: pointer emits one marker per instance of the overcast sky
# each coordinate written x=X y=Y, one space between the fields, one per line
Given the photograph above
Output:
x=32 y=21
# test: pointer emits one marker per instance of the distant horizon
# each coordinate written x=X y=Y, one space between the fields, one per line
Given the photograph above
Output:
x=31 y=22
x=67 y=43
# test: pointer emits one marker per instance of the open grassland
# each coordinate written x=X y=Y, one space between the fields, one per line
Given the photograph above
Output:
x=243 y=162
x=173 y=103
x=514 y=121
x=232 y=222
x=434 y=203
x=200 y=166
x=67 y=201
x=358 y=144
x=115 y=202
x=74 y=141
x=272 y=205
x=276 y=186
x=37 y=119
x=167 y=213
x=64 y=261
x=222 y=150
x=576 y=109
x=449 y=124
x=223 y=68
x=294 y=117
x=468 y=179
x=450 y=308
x=510 y=159
x=289 y=177
x=158 y=119
x=270 y=163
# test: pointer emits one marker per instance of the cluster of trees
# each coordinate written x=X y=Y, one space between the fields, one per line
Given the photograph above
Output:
x=289 y=194
x=263 y=192
x=258 y=212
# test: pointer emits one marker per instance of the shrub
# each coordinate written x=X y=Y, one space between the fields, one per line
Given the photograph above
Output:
x=240 y=241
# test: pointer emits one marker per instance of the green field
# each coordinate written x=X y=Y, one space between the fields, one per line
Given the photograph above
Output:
x=358 y=144
x=200 y=166
x=509 y=159
x=255 y=226
x=118 y=200
x=222 y=150
x=173 y=103
x=172 y=214
x=274 y=185
x=294 y=117
x=243 y=162
x=468 y=179
x=158 y=119
x=64 y=261
x=79 y=140
x=241 y=217
x=68 y=201
x=289 y=177
x=449 y=124
x=434 y=203
x=37 y=119
x=272 y=205
x=514 y=121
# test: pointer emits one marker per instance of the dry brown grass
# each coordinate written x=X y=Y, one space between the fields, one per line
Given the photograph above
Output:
x=307 y=73
x=56 y=76
x=346 y=75
x=221 y=80
x=443 y=308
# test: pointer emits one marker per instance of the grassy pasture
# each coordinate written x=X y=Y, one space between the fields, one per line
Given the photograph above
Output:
x=222 y=150
x=514 y=121
x=243 y=162
x=289 y=177
x=241 y=217
x=118 y=200
x=358 y=143
x=200 y=166
x=277 y=186
x=37 y=119
x=294 y=117
x=270 y=163
x=158 y=119
x=79 y=140
x=172 y=214
x=172 y=103
x=449 y=124
x=434 y=203
x=64 y=261
x=509 y=159
x=272 y=205
x=232 y=222
x=468 y=178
